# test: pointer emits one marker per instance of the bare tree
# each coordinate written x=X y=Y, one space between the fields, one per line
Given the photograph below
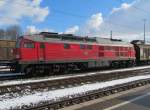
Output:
x=13 y=32
x=2 y=33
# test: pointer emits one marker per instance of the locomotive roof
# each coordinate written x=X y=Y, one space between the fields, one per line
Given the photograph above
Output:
x=69 y=38
x=112 y=41
x=140 y=42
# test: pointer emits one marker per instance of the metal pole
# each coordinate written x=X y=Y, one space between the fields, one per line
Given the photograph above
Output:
x=111 y=35
x=144 y=30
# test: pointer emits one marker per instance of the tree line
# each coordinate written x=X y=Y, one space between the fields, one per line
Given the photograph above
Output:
x=10 y=33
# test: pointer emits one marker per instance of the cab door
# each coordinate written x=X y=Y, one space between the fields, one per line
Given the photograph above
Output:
x=41 y=52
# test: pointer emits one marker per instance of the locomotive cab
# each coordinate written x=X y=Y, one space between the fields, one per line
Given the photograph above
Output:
x=24 y=51
x=28 y=52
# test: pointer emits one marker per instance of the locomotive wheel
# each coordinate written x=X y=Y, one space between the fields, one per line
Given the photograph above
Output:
x=115 y=65
x=56 y=68
x=67 y=70
x=131 y=64
x=39 y=70
x=48 y=70
x=13 y=69
x=123 y=64
x=28 y=71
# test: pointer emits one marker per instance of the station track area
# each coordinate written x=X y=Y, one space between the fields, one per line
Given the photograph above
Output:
x=66 y=81
x=56 y=99
x=6 y=74
x=16 y=89
x=89 y=96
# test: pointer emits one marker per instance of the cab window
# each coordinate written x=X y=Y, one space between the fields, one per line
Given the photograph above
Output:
x=82 y=46
x=89 y=46
x=28 y=45
x=42 y=46
x=66 y=46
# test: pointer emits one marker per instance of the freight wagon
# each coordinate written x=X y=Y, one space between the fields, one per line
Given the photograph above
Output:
x=6 y=51
x=142 y=52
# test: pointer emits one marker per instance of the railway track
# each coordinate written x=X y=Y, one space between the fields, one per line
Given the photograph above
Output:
x=6 y=74
x=67 y=81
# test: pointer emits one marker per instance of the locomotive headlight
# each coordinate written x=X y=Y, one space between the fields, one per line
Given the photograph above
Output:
x=12 y=51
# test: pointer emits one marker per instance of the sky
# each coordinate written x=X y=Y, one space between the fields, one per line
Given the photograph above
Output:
x=81 y=17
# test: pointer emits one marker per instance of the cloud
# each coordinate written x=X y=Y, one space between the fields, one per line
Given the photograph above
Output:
x=36 y=2
x=12 y=11
x=33 y=30
x=124 y=6
x=95 y=21
x=90 y=26
x=72 y=30
x=126 y=22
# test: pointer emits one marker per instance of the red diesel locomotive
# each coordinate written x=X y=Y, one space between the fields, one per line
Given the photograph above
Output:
x=52 y=52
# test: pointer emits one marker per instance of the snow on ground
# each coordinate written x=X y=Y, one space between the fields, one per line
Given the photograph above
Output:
x=5 y=83
x=54 y=95
x=3 y=67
